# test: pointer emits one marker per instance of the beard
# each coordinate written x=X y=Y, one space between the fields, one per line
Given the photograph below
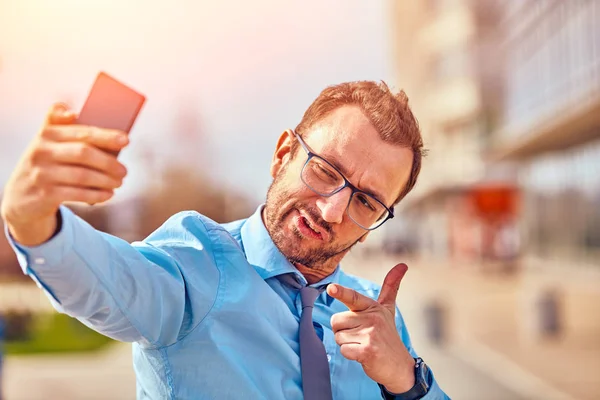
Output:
x=278 y=207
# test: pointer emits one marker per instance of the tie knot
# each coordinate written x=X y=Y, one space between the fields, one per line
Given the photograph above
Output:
x=308 y=295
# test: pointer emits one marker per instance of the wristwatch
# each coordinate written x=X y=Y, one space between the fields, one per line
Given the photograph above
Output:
x=420 y=388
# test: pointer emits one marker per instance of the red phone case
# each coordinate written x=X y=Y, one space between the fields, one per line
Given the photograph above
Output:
x=111 y=104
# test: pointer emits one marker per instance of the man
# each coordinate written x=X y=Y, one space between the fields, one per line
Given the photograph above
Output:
x=257 y=308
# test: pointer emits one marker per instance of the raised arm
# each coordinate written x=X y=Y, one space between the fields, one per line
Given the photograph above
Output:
x=137 y=292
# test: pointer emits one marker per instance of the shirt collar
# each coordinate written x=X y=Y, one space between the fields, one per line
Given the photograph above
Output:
x=265 y=257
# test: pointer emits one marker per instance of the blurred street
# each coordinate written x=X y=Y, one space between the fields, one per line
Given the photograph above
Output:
x=493 y=349
x=94 y=376
x=489 y=310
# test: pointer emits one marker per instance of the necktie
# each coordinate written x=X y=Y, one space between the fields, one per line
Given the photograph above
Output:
x=316 y=383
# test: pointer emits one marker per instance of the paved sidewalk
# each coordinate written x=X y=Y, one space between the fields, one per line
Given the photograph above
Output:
x=92 y=376
x=491 y=324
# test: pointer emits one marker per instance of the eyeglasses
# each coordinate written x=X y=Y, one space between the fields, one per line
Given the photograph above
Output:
x=320 y=176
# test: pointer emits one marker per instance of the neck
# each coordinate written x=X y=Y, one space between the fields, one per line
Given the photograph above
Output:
x=314 y=275
x=311 y=275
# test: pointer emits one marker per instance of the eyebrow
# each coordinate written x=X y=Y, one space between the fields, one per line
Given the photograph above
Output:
x=335 y=162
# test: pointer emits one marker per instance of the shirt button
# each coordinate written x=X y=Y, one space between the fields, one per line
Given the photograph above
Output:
x=328 y=358
x=39 y=261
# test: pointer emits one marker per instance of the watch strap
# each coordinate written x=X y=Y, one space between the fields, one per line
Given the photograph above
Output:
x=420 y=389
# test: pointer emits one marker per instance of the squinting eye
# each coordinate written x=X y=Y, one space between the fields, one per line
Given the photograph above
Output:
x=364 y=201
x=327 y=172
x=324 y=173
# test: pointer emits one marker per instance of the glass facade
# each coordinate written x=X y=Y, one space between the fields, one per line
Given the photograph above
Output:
x=553 y=59
x=562 y=207
x=552 y=69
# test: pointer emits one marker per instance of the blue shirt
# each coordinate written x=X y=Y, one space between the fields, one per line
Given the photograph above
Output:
x=202 y=304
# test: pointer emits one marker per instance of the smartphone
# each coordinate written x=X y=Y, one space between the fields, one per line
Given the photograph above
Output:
x=111 y=104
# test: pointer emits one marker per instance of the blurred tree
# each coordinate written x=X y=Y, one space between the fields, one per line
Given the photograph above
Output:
x=183 y=188
x=183 y=182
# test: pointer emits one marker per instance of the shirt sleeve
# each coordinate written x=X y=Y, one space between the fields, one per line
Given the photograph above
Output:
x=140 y=292
x=435 y=392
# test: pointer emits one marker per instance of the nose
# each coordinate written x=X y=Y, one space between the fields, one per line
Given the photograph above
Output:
x=333 y=207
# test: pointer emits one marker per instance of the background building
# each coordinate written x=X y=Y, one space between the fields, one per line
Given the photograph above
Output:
x=508 y=96
x=449 y=62
x=551 y=125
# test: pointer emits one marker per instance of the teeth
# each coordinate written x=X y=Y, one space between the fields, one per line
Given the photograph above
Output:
x=310 y=226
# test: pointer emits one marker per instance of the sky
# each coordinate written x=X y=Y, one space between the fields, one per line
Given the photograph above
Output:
x=244 y=71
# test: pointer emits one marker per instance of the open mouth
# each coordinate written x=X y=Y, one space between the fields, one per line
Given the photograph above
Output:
x=307 y=229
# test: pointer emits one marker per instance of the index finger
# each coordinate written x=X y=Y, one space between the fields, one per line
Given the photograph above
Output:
x=351 y=298
x=60 y=114
x=109 y=139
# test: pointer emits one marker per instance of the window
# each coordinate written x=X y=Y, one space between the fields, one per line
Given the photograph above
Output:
x=564 y=211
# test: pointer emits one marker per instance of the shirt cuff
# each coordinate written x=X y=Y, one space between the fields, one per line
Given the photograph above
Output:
x=435 y=393
x=386 y=395
x=47 y=254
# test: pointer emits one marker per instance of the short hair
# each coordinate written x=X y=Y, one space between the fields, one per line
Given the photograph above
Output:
x=389 y=113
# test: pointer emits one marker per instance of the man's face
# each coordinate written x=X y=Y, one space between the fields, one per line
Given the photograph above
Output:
x=314 y=230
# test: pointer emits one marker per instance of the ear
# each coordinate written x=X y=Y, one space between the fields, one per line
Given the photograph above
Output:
x=282 y=152
x=364 y=237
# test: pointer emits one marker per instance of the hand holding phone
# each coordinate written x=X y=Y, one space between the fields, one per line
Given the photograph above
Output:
x=68 y=162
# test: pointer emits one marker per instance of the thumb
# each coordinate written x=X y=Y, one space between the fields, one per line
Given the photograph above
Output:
x=391 y=284
x=60 y=114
